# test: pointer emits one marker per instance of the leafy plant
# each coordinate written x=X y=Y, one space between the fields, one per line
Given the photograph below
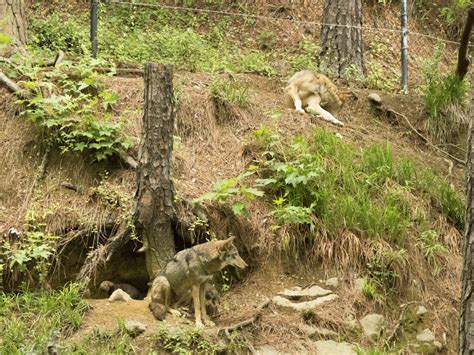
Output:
x=188 y=341
x=70 y=105
x=230 y=188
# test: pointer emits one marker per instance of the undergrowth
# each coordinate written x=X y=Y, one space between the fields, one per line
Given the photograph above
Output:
x=323 y=187
x=27 y=319
x=138 y=35
x=71 y=105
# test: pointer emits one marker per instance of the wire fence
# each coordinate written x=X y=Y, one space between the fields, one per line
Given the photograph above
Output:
x=383 y=47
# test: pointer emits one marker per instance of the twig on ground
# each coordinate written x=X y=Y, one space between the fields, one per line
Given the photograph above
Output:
x=12 y=86
x=393 y=334
x=246 y=322
x=426 y=140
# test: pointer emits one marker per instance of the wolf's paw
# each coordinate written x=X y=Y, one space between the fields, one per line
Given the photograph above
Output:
x=199 y=324
x=175 y=312
x=300 y=110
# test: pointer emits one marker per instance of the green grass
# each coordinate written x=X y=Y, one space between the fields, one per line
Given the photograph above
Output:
x=27 y=319
x=231 y=91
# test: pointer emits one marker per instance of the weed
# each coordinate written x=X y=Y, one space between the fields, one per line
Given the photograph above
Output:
x=303 y=56
x=375 y=78
x=27 y=319
x=431 y=247
x=230 y=91
x=190 y=341
x=369 y=289
x=440 y=92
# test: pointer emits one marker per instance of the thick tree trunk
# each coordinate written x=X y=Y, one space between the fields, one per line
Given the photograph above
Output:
x=466 y=328
x=341 y=37
x=154 y=210
x=13 y=20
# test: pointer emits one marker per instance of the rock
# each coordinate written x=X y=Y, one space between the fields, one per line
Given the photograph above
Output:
x=375 y=98
x=372 y=325
x=297 y=292
x=318 y=332
x=300 y=306
x=134 y=328
x=420 y=311
x=119 y=295
x=332 y=282
x=359 y=284
x=332 y=347
x=426 y=336
x=437 y=345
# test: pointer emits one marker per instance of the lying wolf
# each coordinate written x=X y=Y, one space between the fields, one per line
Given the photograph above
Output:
x=187 y=274
x=311 y=92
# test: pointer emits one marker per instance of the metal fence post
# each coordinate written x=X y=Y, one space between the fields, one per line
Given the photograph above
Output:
x=94 y=28
x=404 y=44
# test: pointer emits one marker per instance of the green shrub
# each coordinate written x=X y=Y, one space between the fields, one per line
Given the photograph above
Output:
x=230 y=91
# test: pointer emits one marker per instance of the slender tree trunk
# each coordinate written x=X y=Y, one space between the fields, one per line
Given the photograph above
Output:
x=154 y=196
x=463 y=61
x=341 y=37
x=13 y=20
x=466 y=328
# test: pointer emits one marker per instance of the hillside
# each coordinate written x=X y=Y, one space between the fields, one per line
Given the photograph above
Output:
x=383 y=214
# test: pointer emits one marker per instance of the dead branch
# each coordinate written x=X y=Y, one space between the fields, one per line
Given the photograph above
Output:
x=425 y=139
x=463 y=61
x=393 y=334
x=59 y=58
x=246 y=322
x=12 y=86
x=39 y=176
x=72 y=187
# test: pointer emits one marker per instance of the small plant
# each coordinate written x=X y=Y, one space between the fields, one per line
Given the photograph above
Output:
x=230 y=91
x=369 y=289
x=431 y=247
x=303 y=56
x=267 y=40
x=188 y=341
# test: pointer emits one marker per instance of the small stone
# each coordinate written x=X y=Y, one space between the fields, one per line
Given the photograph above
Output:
x=338 y=135
x=134 y=328
x=375 y=98
x=426 y=336
x=318 y=332
x=119 y=295
x=372 y=325
x=420 y=311
x=332 y=347
x=297 y=292
x=437 y=345
x=359 y=284
x=301 y=306
x=332 y=282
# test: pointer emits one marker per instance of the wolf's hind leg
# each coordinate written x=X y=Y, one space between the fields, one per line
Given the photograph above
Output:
x=202 y=300
x=293 y=93
x=314 y=107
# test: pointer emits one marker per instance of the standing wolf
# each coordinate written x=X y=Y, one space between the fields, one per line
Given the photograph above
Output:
x=310 y=91
x=187 y=275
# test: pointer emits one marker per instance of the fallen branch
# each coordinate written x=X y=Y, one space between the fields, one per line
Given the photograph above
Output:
x=72 y=187
x=12 y=86
x=426 y=140
x=246 y=322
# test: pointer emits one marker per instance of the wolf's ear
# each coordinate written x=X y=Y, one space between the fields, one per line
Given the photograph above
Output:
x=225 y=243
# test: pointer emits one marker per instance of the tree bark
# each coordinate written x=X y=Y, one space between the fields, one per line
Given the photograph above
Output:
x=341 y=37
x=154 y=197
x=466 y=327
x=463 y=61
x=13 y=20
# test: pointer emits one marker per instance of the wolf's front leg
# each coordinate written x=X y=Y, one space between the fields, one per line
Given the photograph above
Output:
x=314 y=107
x=202 y=299
x=197 y=306
x=293 y=93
